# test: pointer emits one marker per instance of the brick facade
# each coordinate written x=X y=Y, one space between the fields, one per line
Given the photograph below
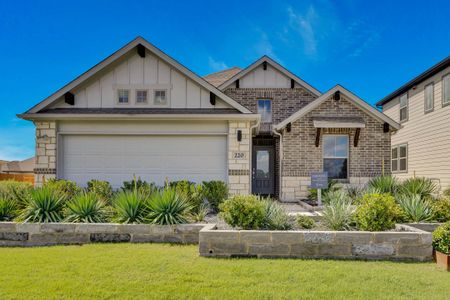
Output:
x=301 y=157
x=45 y=167
x=239 y=158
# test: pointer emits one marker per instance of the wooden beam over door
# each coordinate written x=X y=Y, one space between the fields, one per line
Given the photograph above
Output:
x=356 y=140
x=317 y=137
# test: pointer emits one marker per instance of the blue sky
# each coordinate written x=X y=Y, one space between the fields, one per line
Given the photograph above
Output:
x=370 y=47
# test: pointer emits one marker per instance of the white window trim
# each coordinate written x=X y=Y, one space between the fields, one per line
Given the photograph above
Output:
x=271 y=110
x=398 y=158
x=425 y=97
x=347 y=157
x=129 y=97
x=167 y=98
x=406 y=106
x=136 y=97
x=445 y=103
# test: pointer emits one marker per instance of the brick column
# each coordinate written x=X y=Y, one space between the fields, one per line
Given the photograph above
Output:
x=239 y=158
x=45 y=167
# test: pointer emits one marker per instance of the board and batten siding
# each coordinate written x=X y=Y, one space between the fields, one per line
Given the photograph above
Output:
x=133 y=72
x=426 y=134
x=270 y=78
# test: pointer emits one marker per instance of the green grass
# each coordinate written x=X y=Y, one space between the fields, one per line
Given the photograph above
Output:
x=137 y=271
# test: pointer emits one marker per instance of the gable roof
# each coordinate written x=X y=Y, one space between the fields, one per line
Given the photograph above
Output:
x=274 y=64
x=118 y=54
x=220 y=77
x=369 y=109
x=425 y=75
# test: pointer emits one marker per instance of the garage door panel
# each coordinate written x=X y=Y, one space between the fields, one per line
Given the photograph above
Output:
x=153 y=158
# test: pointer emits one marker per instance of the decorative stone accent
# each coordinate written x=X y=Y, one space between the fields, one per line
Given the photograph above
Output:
x=239 y=158
x=46 y=234
x=414 y=245
x=45 y=167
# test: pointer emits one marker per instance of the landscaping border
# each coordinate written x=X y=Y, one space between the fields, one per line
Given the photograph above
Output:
x=407 y=244
x=46 y=234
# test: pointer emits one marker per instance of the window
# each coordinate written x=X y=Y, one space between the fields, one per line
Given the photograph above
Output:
x=265 y=110
x=404 y=107
x=160 y=97
x=335 y=156
x=123 y=96
x=446 y=89
x=399 y=158
x=429 y=97
x=141 y=96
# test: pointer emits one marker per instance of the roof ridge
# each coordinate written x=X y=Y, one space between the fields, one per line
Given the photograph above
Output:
x=218 y=72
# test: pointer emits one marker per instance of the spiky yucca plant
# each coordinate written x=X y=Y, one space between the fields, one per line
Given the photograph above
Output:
x=43 y=205
x=415 y=208
x=383 y=185
x=129 y=207
x=338 y=213
x=276 y=217
x=86 y=207
x=168 y=208
x=8 y=208
x=421 y=186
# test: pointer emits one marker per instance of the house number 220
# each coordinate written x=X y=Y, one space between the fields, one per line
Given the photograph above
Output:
x=239 y=155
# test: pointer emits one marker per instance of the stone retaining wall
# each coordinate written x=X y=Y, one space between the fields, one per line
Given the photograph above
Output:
x=29 y=234
x=402 y=245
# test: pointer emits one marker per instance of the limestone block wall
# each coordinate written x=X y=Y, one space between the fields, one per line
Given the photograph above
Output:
x=46 y=147
x=239 y=158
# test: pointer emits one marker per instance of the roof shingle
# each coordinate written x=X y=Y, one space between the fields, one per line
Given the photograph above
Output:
x=220 y=77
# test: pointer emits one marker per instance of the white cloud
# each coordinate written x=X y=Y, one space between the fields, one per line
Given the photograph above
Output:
x=304 y=25
x=215 y=65
x=265 y=47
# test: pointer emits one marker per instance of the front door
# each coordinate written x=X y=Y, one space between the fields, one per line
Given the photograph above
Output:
x=263 y=170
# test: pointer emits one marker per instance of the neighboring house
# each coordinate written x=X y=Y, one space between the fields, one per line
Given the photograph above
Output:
x=421 y=106
x=262 y=129
x=18 y=167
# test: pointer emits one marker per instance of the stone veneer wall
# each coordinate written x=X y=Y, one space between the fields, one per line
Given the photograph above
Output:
x=45 y=166
x=239 y=167
x=408 y=244
x=45 y=234
x=301 y=157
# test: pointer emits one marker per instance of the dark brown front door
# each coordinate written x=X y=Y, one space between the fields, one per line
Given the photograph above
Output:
x=263 y=170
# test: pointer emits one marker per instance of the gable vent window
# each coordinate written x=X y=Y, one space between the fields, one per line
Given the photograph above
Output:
x=399 y=158
x=265 y=110
x=141 y=96
x=404 y=107
x=160 y=97
x=446 y=89
x=123 y=96
x=429 y=97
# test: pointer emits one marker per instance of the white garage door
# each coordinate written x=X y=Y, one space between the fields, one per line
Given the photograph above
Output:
x=116 y=158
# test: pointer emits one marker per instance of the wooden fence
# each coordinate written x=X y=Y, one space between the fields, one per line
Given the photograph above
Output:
x=18 y=177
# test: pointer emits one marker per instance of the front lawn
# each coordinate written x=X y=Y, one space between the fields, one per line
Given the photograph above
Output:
x=137 y=271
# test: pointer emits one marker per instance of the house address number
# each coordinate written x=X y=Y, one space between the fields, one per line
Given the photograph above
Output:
x=239 y=155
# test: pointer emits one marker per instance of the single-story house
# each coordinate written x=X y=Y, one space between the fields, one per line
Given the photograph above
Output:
x=25 y=166
x=261 y=129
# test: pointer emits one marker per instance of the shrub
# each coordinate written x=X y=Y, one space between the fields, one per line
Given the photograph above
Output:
x=15 y=190
x=441 y=210
x=338 y=214
x=383 y=185
x=447 y=192
x=101 y=188
x=141 y=186
x=66 y=187
x=43 y=205
x=130 y=207
x=244 y=211
x=332 y=186
x=305 y=222
x=275 y=218
x=168 y=208
x=415 y=208
x=441 y=238
x=355 y=193
x=418 y=186
x=191 y=192
x=215 y=192
x=8 y=208
x=377 y=212
x=335 y=195
x=86 y=207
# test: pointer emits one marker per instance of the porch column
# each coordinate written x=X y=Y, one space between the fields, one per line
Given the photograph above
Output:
x=239 y=157
x=45 y=166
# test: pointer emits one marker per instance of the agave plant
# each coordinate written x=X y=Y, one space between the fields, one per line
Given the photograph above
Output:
x=43 y=205
x=415 y=208
x=335 y=195
x=86 y=207
x=8 y=208
x=421 y=186
x=199 y=213
x=275 y=217
x=129 y=207
x=338 y=214
x=383 y=185
x=168 y=208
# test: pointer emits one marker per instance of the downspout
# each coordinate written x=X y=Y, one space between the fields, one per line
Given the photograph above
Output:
x=280 y=168
x=258 y=122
